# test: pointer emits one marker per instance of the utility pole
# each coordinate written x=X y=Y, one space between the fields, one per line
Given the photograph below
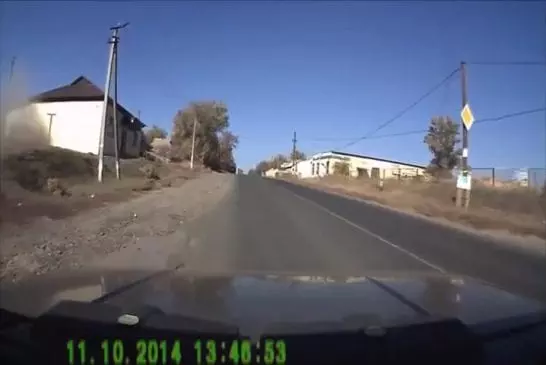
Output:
x=193 y=141
x=51 y=115
x=294 y=141
x=115 y=41
x=3 y=121
x=112 y=60
x=463 y=195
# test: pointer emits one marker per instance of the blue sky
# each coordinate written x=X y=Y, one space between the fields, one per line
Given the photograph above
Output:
x=329 y=70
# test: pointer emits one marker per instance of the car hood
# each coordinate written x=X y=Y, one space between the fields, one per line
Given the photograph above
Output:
x=256 y=302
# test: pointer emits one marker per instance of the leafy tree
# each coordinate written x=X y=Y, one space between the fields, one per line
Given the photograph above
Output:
x=341 y=168
x=224 y=155
x=214 y=143
x=442 y=139
x=154 y=132
x=150 y=134
x=276 y=161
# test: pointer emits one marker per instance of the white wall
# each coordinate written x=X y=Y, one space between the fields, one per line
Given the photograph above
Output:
x=303 y=168
x=387 y=169
x=76 y=126
x=323 y=164
x=271 y=172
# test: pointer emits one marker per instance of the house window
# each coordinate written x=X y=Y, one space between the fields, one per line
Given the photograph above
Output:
x=327 y=167
x=312 y=168
x=318 y=168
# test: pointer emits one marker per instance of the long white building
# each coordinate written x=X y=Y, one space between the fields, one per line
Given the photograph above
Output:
x=323 y=164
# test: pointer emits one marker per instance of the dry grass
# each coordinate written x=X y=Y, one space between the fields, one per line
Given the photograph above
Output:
x=517 y=210
x=32 y=180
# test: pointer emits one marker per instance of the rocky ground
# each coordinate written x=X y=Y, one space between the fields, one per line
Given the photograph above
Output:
x=47 y=244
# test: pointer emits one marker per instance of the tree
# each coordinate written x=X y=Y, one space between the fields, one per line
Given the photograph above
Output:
x=277 y=161
x=297 y=155
x=442 y=138
x=262 y=167
x=150 y=134
x=214 y=143
x=154 y=132
x=224 y=155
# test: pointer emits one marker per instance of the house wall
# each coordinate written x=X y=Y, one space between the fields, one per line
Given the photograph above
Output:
x=303 y=168
x=75 y=126
x=129 y=141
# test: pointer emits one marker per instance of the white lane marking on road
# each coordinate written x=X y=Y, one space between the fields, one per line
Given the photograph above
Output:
x=401 y=249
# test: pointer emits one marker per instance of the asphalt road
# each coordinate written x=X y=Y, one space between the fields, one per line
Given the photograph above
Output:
x=276 y=227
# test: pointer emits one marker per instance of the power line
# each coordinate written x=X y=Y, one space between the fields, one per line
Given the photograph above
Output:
x=478 y=121
x=508 y=63
x=406 y=133
x=405 y=110
x=511 y=115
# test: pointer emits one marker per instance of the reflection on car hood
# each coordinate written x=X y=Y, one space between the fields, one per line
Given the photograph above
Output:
x=269 y=302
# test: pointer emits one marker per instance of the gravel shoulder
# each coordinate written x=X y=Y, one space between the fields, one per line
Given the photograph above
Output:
x=114 y=233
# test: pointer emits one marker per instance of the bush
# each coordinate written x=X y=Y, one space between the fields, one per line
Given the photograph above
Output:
x=150 y=171
x=31 y=169
x=54 y=186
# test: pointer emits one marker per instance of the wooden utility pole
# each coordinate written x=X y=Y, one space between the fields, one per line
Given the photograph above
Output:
x=463 y=195
x=3 y=121
x=116 y=146
x=112 y=68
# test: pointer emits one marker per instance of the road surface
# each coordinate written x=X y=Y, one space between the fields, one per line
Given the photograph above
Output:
x=274 y=226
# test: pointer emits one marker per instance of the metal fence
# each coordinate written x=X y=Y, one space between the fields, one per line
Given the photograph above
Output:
x=533 y=178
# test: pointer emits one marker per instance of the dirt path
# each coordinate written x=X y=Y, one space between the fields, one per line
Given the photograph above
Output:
x=46 y=245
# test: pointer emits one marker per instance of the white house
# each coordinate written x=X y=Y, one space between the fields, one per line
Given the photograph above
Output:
x=71 y=117
x=322 y=164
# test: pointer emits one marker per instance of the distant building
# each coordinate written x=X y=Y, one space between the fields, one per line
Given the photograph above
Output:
x=522 y=177
x=323 y=164
x=71 y=116
x=271 y=173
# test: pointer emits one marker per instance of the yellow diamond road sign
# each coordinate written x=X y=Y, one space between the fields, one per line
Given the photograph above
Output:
x=466 y=115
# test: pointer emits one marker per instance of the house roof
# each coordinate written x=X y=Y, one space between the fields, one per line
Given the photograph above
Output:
x=81 y=89
x=376 y=159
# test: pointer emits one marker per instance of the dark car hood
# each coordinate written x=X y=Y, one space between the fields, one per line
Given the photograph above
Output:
x=257 y=303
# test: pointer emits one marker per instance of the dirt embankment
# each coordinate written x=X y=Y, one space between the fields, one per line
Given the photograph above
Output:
x=519 y=211
x=54 y=213
x=50 y=244
x=57 y=183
